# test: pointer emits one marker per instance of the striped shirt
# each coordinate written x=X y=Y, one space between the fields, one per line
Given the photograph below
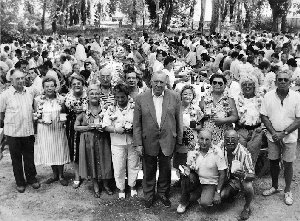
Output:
x=243 y=155
x=107 y=99
x=18 y=108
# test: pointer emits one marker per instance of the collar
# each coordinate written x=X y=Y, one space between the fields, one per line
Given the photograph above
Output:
x=18 y=92
x=162 y=95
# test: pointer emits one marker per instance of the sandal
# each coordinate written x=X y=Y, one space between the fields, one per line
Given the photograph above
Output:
x=271 y=191
x=97 y=194
x=245 y=214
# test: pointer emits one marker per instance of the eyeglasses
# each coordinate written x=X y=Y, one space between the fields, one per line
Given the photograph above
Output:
x=218 y=82
x=247 y=84
x=282 y=79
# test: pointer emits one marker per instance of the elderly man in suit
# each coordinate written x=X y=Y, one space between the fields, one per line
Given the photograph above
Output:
x=157 y=127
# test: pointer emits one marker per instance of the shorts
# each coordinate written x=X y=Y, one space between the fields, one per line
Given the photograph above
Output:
x=287 y=153
x=235 y=183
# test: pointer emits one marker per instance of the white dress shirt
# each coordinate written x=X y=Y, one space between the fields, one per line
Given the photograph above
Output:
x=158 y=101
x=282 y=113
x=80 y=54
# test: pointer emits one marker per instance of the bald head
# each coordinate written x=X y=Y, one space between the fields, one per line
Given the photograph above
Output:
x=231 y=133
x=205 y=133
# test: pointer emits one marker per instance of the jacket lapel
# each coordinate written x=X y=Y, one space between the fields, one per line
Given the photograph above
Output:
x=151 y=107
x=164 y=107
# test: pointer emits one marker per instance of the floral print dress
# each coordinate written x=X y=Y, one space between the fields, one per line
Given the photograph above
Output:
x=94 y=148
x=221 y=109
x=71 y=103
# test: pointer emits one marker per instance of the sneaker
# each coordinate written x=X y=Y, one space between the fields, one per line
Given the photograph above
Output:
x=270 y=191
x=121 y=195
x=181 y=208
x=133 y=193
x=288 y=198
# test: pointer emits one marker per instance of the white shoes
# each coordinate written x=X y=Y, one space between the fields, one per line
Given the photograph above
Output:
x=133 y=193
x=181 y=208
x=121 y=195
x=288 y=198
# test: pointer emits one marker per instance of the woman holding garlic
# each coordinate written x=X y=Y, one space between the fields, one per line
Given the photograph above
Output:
x=118 y=122
x=52 y=144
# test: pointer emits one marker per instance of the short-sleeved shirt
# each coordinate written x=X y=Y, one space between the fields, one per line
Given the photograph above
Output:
x=18 y=109
x=117 y=117
x=282 y=114
x=207 y=166
x=240 y=154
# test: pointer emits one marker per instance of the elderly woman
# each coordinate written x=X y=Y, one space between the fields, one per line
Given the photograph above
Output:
x=118 y=122
x=192 y=116
x=52 y=144
x=76 y=103
x=248 y=104
x=94 y=148
x=219 y=109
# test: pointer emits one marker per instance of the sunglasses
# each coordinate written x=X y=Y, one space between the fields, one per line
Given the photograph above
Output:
x=218 y=82
x=283 y=79
x=247 y=84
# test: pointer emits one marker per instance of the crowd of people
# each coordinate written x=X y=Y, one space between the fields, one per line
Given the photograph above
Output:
x=199 y=104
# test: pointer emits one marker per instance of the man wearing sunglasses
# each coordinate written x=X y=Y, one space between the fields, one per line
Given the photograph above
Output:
x=280 y=113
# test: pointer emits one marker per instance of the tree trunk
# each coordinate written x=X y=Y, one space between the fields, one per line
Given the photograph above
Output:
x=83 y=13
x=239 y=17
x=134 y=14
x=43 y=16
x=170 y=13
x=202 y=15
x=192 y=11
x=164 y=24
x=248 y=17
x=71 y=19
x=215 y=15
x=231 y=9
x=224 y=11
x=275 y=19
x=284 y=24
x=156 y=25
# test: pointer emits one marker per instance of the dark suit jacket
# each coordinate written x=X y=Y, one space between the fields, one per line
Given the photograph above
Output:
x=146 y=131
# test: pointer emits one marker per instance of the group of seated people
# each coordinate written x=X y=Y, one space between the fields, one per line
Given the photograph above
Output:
x=233 y=90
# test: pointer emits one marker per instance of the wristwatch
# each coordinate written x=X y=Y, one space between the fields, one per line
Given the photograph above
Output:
x=285 y=132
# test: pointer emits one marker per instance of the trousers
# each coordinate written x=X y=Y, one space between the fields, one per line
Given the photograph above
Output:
x=22 y=156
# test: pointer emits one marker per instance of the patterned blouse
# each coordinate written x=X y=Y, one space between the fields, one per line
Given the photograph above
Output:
x=249 y=109
x=221 y=109
x=72 y=102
